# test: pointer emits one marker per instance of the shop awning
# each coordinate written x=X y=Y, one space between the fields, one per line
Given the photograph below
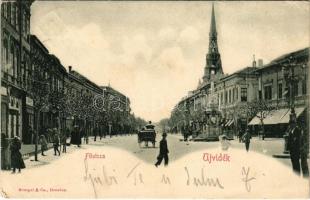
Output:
x=286 y=118
x=280 y=116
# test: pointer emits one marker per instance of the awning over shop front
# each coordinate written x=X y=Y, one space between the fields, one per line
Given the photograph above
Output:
x=280 y=116
x=286 y=118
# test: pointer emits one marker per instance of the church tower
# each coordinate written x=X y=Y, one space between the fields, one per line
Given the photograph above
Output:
x=213 y=58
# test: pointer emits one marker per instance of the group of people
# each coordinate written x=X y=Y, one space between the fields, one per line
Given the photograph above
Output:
x=58 y=140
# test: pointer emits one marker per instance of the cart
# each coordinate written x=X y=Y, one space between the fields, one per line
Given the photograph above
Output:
x=147 y=135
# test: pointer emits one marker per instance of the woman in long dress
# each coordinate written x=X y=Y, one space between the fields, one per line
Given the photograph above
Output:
x=17 y=161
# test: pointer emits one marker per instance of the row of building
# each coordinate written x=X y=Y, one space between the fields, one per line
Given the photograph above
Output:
x=255 y=95
x=39 y=93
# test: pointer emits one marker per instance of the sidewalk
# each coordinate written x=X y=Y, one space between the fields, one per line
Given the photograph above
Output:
x=27 y=150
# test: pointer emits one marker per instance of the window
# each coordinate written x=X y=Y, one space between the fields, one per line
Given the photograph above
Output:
x=17 y=18
x=229 y=96
x=295 y=89
x=304 y=87
x=280 y=91
x=225 y=96
x=28 y=27
x=3 y=9
x=268 y=92
x=244 y=94
x=9 y=11
x=6 y=51
x=233 y=94
x=221 y=98
x=13 y=16
x=237 y=94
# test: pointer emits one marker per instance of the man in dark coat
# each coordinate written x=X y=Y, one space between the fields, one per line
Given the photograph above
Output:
x=247 y=138
x=17 y=161
x=163 y=151
x=294 y=144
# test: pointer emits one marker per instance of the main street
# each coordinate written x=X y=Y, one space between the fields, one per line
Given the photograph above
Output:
x=178 y=148
x=121 y=159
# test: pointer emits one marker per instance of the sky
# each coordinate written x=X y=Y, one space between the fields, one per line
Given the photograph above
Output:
x=154 y=52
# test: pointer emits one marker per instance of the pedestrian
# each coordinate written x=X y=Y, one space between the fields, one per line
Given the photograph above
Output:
x=246 y=139
x=76 y=136
x=304 y=150
x=56 y=144
x=30 y=135
x=64 y=143
x=43 y=143
x=240 y=135
x=163 y=151
x=225 y=144
x=95 y=130
x=294 y=143
x=17 y=161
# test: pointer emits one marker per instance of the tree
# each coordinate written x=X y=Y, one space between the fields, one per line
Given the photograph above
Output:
x=39 y=90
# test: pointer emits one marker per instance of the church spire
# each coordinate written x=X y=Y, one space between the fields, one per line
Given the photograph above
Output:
x=213 y=58
x=213 y=24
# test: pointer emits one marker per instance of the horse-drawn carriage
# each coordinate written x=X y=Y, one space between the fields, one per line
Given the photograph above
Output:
x=147 y=135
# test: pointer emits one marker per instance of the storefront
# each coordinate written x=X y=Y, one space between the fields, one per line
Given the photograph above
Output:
x=275 y=122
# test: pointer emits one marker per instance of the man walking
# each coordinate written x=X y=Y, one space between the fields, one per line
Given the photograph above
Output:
x=294 y=143
x=56 y=144
x=246 y=138
x=163 y=151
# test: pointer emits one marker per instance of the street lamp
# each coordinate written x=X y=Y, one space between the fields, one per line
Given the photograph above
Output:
x=290 y=79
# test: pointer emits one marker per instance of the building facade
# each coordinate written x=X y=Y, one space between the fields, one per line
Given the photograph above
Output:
x=47 y=89
x=281 y=93
x=118 y=111
x=16 y=103
x=81 y=111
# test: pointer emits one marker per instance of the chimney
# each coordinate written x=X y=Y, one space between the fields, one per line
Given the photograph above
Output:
x=260 y=62
x=254 y=61
x=70 y=69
